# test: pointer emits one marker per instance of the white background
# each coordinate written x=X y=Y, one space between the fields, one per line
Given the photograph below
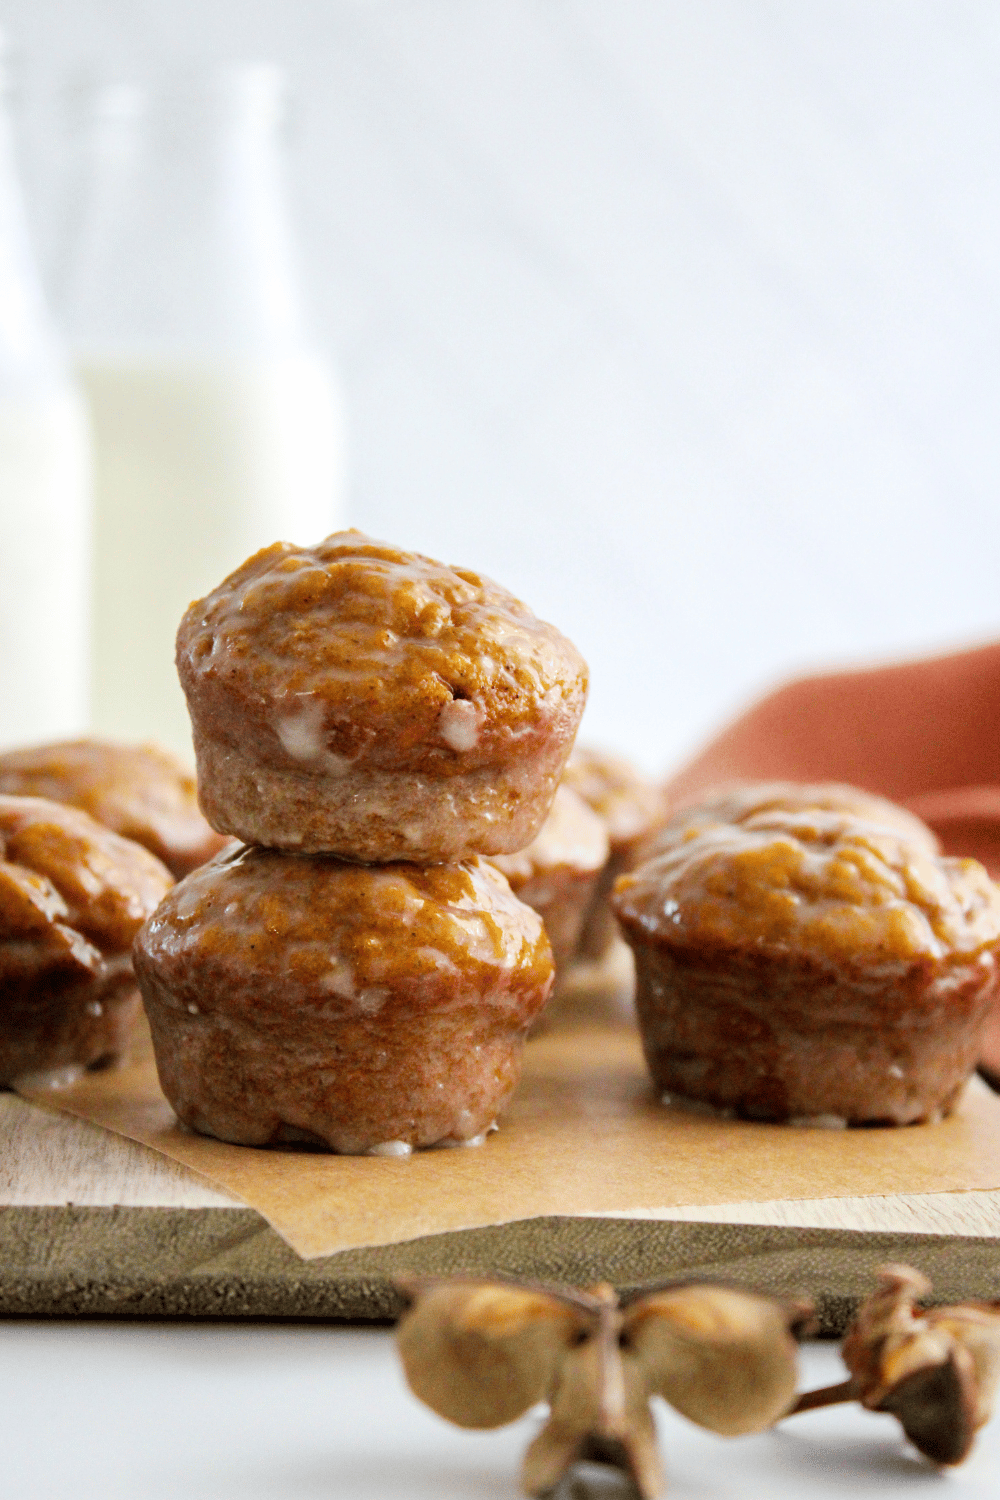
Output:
x=681 y=319
x=140 y=1411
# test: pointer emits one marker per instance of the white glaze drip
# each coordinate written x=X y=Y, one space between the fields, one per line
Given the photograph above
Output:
x=450 y=1143
x=458 y=725
x=390 y=1148
x=371 y=1001
x=51 y=1078
x=301 y=735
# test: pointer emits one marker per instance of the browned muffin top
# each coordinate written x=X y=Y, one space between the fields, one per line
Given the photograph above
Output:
x=354 y=652
x=629 y=804
x=140 y=791
x=737 y=803
x=70 y=885
x=819 y=884
x=573 y=837
x=346 y=934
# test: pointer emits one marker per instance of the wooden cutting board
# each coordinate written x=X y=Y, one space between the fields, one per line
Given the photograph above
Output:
x=106 y=1206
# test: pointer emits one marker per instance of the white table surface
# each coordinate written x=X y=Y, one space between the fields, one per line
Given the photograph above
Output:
x=102 y=1411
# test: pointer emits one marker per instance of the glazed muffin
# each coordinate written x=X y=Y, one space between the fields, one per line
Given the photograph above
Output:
x=557 y=873
x=72 y=897
x=366 y=1009
x=140 y=791
x=354 y=699
x=631 y=808
x=812 y=964
x=736 y=803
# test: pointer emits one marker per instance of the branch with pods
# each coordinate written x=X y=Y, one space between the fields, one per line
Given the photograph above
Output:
x=937 y=1370
x=482 y=1352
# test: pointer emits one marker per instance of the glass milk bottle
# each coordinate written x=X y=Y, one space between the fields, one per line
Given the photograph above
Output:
x=44 y=499
x=217 y=423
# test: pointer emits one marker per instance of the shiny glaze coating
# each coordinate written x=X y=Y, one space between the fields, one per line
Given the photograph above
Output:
x=356 y=699
x=304 y=998
x=72 y=897
x=812 y=963
x=631 y=808
x=826 y=884
x=140 y=791
x=736 y=803
x=557 y=872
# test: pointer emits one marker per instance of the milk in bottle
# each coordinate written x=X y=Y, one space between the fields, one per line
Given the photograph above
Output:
x=217 y=424
x=44 y=499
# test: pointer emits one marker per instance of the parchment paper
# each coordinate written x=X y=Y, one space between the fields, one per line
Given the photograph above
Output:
x=584 y=1134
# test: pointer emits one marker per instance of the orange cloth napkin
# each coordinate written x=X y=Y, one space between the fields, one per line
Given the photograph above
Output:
x=925 y=733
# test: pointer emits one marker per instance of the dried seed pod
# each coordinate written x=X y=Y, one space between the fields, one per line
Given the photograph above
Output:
x=936 y=1371
x=884 y=1321
x=975 y=1327
x=724 y=1358
x=599 y=1412
x=934 y=1404
x=481 y=1353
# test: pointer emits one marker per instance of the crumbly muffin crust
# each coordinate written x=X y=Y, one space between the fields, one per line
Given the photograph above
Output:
x=72 y=897
x=811 y=963
x=305 y=998
x=140 y=791
x=356 y=699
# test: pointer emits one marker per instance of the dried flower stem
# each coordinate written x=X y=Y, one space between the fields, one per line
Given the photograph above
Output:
x=828 y=1395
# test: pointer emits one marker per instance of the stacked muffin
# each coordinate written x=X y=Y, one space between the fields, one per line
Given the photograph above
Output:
x=368 y=722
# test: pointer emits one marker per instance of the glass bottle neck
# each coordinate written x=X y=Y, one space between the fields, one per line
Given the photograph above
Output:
x=181 y=245
x=30 y=355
